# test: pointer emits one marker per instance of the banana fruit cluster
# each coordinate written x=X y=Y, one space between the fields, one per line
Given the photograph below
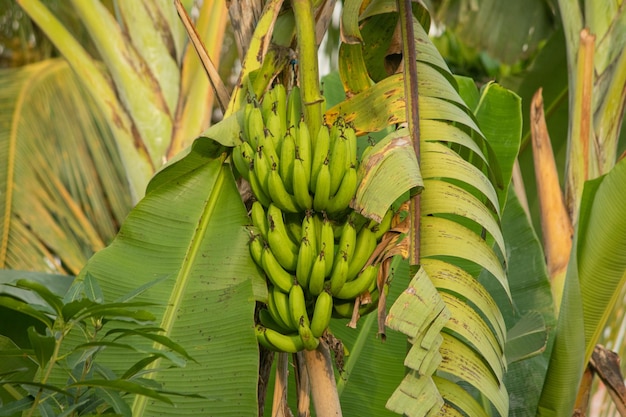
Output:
x=288 y=167
x=315 y=251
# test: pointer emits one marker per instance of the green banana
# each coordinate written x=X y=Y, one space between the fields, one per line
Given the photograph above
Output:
x=347 y=240
x=273 y=126
x=322 y=313
x=297 y=305
x=257 y=190
x=280 y=301
x=262 y=168
x=287 y=159
x=293 y=224
x=285 y=251
x=280 y=100
x=306 y=258
x=350 y=136
x=346 y=192
x=301 y=186
x=340 y=273
x=308 y=229
x=291 y=343
x=273 y=309
x=254 y=125
x=320 y=155
x=267 y=320
x=384 y=226
x=245 y=128
x=259 y=218
x=322 y=189
x=268 y=104
x=309 y=341
x=304 y=149
x=241 y=162
x=337 y=164
x=351 y=289
x=317 y=275
x=256 y=249
x=279 y=194
x=275 y=272
x=327 y=245
x=268 y=147
x=282 y=310
x=259 y=330
x=294 y=107
x=364 y=247
x=344 y=308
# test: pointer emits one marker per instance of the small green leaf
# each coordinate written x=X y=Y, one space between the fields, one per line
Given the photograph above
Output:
x=42 y=345
x=163 y=340
x=139 y=366
x=13 y=408
x=40 y=386
x=104 y=344
x=118 y=311
x=124 y=386
x=15 y=361
x=22 y=307
x=72 y=308
x=115 y=400
x=48 y=296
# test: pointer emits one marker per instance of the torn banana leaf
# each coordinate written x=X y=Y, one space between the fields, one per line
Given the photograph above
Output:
x=386 y=172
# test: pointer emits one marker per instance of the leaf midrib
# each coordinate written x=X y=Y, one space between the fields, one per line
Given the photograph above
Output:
x=182 y=279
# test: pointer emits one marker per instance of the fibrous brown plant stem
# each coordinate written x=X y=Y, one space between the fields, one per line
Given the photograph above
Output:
x=322 y=379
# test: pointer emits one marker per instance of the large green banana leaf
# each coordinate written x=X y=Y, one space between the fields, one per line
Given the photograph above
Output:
x=190 y=226
x=62 y=197
x=530 y=290
x=595 y=275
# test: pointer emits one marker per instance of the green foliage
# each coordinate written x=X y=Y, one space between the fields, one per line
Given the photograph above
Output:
x=90 y=388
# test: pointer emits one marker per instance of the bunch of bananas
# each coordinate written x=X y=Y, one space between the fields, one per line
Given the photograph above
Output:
x=315 y=250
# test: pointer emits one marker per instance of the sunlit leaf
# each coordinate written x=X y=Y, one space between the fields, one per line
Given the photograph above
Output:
x=386 y=172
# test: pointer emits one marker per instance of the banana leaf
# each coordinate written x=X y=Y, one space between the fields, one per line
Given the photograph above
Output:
x=596 y=272
x=64 y=190
x=190 y=225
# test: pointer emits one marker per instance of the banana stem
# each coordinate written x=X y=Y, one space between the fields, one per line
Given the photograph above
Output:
x=303 y=386
x=279 y=403
x=308 y=66
x=322 y=379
